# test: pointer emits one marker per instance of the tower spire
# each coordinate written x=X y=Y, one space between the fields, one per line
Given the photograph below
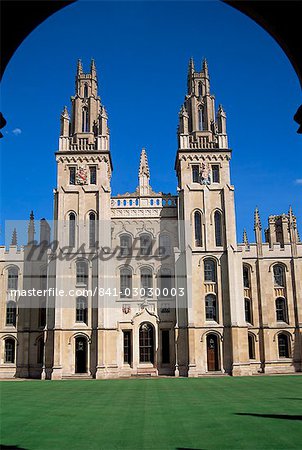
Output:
x=144 y=174
x=31 y=228
x=93 y=68
x=79 y=67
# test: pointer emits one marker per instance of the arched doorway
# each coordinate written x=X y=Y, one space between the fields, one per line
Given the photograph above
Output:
x=213 y=353
x=146 y=343
x=81 y=354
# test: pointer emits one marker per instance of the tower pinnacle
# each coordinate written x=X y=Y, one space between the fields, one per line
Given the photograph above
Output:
x=144 y=174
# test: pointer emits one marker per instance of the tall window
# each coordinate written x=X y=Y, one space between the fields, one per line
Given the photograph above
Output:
x=197 y=229
x=164 y=245
x=85 y=124
x=218 y=228
x=72 y=175
x=246 y=277
x=85 y=90
x=146 y=343
x=200 y=119
x=11 y=313
x=145 y=245
x=92 y=170
x=165 y=282
x=92 y=229
x=279 y=275
x=82 y=272
x=215 y=174
x=12 y=278
x=209 y=270
x=127 y=346
x=9 y=351
x=283 y=345
x=125 y=244
x=165 y=346
x=281 y=309
x=125 y=282
x=40 y=350
x=195 y=173
x=72 y=229
x=146 y=280
x=248 y=310
x=251 y=342
x=211 y=307
x=81 y=310
x=200 y=89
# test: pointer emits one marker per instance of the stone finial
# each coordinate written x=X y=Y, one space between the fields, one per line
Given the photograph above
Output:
x=205 y=66
x=245 y=238
x=143 y=165
x=191 y=66
x=257 y=220
x=65 y=113
x=31 y=227
x=14 y=237
x=92 y=67
x=79 y=67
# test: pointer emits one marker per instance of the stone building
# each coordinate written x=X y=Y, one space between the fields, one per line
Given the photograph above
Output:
x=148 y=283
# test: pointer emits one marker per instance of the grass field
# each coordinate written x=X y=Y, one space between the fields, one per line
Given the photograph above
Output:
x=210 y=413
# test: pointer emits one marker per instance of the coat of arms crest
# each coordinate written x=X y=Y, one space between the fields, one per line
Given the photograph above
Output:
x=81 y=176
x=126 y=309
x=205 y=174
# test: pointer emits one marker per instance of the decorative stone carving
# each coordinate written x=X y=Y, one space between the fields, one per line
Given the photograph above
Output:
x=81 y=175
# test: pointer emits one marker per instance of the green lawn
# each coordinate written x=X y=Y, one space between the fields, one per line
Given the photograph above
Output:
x=211 y=413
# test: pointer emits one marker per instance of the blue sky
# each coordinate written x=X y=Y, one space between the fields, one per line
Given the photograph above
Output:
x=142 y=51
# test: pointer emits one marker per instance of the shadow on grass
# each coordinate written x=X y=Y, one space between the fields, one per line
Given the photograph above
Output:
x=272 y=416
x=11 y=447
x=291 y=398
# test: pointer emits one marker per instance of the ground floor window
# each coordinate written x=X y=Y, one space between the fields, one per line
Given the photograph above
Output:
x=283 y=345
x=9 y=351
x=251 y=346
x=146 y=343
x=165 y=346
x=127 y=346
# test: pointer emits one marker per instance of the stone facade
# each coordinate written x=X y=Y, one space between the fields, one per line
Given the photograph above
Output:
x=152 y=284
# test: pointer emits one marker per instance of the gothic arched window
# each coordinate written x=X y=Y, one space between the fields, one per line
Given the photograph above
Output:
x=251 y=343
x=200 y=119
x=125 y=282
x=81 y=310
x=12 y=278
x=146 y=343
x=279 y=275
x=146 y=281
x=145 y=245
x=82 y=272
x=125 y=245
x=246 y=277
x=248 y=310
x=211 y=307
x=164 y=245
x=218 y=228
x=72 y=229
x=9 y=350
x=85 y=120
x=92 y=229
x=197 y=229
x=85 y=91
x=283 y=345
x=11 y=313
x=209 y=270
x=281 y=309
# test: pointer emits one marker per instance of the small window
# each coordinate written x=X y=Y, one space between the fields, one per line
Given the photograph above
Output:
x=11 y=313
x=82 y=272
x=211 y=307
x=164 y=245
x=165 y=346
x=218 y=228
x=72 y=229
x=42 y=314
x=81 y=310
x=125 y=282
x=9 y=351
x=165 y=282
x=127 y=346
x=146 y=281
x=195 y=173
x=281 y=310
x=92 y=230
x=197 y=229
x=279 y=276
x=72 y=175
x=40 y=351
x=246 y=277
x=125 y=245
x=43 y=279
x=209 y=270
x=12 y=278
x=215 y=174
x=92 y=171
x=251 y=342
x=283 y=346
x=248 y=310
x=145 y=245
